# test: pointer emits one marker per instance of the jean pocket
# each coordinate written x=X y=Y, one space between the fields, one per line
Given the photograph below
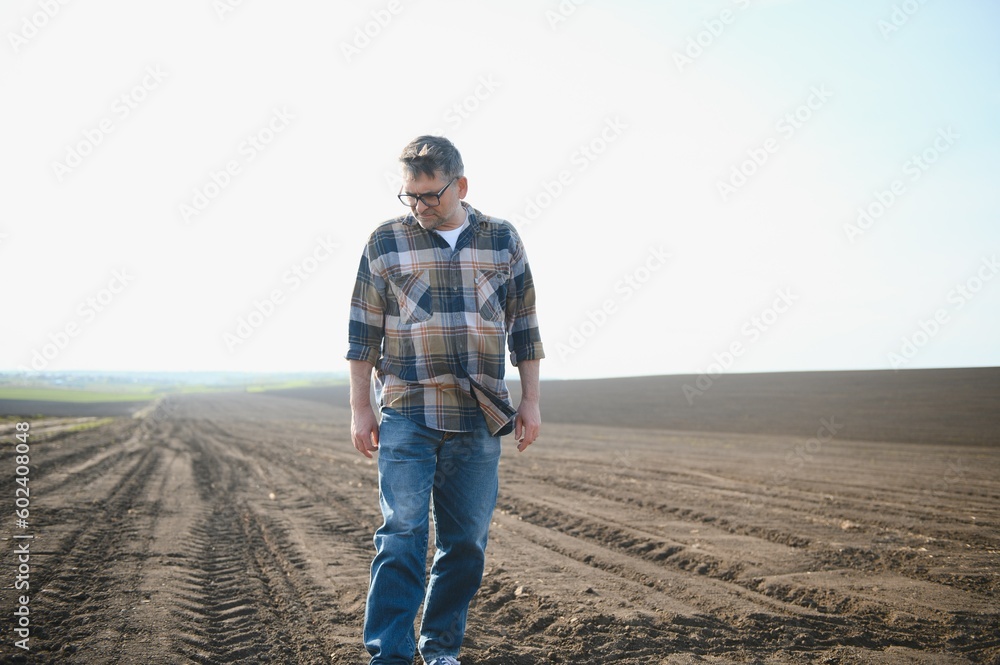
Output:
x=413 y=294
x=491 y=294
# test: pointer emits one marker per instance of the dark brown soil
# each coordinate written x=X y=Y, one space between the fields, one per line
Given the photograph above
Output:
x=236 y=528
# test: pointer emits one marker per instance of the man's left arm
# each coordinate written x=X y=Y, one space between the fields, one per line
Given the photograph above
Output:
x=525 y=344
x=528 y=423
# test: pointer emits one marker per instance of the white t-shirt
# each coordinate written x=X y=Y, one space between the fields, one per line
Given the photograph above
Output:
x=451 y=237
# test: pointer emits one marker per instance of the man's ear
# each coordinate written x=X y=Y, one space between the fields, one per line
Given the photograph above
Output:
x=463 y=186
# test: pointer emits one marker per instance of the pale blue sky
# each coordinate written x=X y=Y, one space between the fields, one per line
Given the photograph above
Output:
x=531 y=91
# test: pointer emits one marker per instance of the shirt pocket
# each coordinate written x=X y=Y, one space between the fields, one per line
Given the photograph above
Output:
x=413 y=294
x=491 y=294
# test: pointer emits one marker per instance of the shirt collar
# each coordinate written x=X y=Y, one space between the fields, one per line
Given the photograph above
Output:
x=471 y=216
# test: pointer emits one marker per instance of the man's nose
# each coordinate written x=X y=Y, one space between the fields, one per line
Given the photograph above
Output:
x=421 y=207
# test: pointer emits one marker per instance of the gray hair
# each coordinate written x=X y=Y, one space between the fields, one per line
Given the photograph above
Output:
x=430 y=155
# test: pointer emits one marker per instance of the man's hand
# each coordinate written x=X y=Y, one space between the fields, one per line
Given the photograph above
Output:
x=364 y=431
x=527 y=424
x=364 y=427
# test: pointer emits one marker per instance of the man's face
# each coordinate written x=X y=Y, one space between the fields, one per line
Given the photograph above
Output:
x=448 y=214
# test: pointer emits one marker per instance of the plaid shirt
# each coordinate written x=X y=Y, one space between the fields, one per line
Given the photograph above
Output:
x=434 y=320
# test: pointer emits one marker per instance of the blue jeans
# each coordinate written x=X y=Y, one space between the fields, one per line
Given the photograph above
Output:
x=454 y=476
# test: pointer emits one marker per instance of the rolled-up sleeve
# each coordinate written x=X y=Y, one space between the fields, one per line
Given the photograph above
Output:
x=523 y=337
x=367 y=322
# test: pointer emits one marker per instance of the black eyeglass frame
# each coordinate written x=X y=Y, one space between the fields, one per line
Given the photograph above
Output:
x=420 y=197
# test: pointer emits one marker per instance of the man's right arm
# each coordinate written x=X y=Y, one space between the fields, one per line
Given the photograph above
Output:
x=366 y=332
x=364 y=427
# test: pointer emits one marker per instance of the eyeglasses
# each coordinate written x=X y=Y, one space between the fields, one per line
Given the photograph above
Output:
x=429 y=200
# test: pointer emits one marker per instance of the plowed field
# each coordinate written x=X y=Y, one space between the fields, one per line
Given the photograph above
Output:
x=236 y=528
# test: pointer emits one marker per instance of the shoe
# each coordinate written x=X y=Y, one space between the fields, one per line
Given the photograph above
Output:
x=444 y=660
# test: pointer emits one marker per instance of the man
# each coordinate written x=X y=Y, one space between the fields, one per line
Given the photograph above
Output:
x=439 y=293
